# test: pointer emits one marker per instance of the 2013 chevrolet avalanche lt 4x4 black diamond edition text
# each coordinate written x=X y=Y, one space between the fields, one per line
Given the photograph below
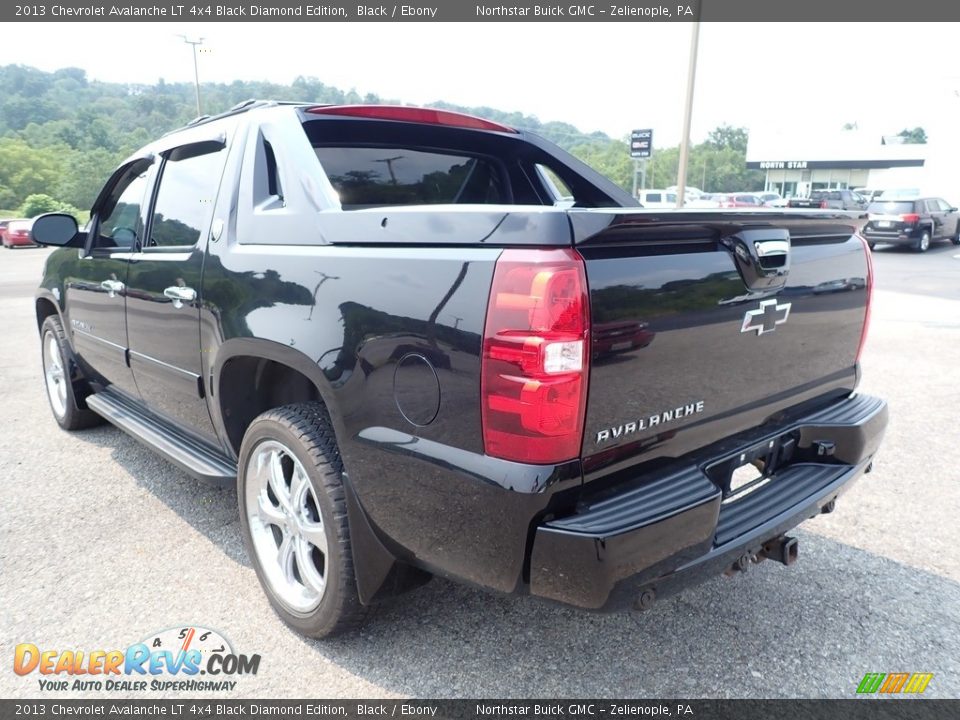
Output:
x=422 y=343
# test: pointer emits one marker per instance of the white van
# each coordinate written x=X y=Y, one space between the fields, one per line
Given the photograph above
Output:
x=657 y=198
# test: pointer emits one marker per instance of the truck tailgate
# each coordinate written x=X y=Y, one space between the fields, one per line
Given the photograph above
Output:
x=706 y=324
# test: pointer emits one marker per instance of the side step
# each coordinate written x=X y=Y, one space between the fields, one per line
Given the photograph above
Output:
x=190 y=455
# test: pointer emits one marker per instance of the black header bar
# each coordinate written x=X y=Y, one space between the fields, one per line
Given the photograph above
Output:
x=181 y=11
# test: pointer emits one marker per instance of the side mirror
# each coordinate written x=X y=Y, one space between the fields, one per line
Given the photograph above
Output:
x=54 y=229
x=953 y=209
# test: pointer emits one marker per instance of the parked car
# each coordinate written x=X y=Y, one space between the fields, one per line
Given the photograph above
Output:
x=916 y=223
x=833 y=199
x=869 y=194
x=740 y=200
x=17 y=234
x=353 y=316
x=705 y=200
x=657 y=199
x=769 y=199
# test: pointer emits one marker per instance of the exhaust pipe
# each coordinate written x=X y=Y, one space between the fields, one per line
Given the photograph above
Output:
x=782 y=549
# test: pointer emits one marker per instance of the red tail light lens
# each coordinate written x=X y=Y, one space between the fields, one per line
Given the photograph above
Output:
x=866 y=315
x=535 y=357
x=823 y=204
x=910 y=218
x=403 y=113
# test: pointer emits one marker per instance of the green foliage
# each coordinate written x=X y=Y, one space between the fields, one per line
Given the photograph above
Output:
x=38 y=204
x=916 y=136
x=62 y=134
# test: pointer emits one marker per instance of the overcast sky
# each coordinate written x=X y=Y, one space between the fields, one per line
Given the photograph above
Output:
x=599 y=76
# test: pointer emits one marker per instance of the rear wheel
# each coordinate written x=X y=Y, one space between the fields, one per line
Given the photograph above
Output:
x=956 y=237
x=294 y=517
x=58 y=379
x=923 y=244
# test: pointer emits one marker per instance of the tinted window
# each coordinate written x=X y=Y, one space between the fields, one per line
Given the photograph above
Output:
x=188 y=188
x=120 y=226
x=890 y=208
x=653 y=197
x=365 y=176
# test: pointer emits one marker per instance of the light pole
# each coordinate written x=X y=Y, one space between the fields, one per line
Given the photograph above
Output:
x=687 y=112
x=196 y=74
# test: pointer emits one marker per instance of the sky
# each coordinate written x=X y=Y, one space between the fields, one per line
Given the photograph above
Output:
x=614 y=77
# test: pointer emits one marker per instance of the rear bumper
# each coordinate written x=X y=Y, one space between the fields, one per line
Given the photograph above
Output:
x=675 y=531
x=903 y=238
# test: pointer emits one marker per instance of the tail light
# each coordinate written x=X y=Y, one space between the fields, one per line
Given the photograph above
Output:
x=910 y=219
x=866 y=315
x=404 y=113
x=823 y=204
x=535 y=357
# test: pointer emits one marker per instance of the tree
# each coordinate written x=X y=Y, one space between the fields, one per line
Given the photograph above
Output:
x=917 y=136
x=39 y=204
x=726 y=136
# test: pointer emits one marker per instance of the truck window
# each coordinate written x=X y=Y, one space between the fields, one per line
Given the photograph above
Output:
x=376 y=176
x=120 y=226
x=184 y=206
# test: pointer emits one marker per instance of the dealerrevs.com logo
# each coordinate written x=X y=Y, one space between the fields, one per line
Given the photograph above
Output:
x=169 y=660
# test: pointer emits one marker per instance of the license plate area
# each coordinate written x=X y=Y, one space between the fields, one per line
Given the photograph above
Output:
x=743 y=472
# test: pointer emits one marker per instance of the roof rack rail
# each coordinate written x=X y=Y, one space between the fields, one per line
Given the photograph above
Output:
x=242 y=104
x=240 y=107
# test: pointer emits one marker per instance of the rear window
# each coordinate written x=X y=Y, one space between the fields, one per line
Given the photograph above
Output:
x=653 y=197
x=375 y=176
x=890 y=208
x=828 y=194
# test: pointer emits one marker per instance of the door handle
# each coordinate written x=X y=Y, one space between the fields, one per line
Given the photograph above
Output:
x=180 y=295
x=112 y=287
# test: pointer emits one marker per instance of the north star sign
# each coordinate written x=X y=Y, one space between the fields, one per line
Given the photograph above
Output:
x=783 y=164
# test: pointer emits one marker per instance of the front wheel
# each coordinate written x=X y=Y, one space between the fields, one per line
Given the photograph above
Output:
x=923 y=244
x=58 y=380
x=956 y=237
x=294 y=517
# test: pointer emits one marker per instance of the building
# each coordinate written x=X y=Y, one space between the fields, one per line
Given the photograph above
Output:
x=796 y=164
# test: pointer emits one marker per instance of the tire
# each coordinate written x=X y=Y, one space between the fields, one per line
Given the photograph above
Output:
x=871 y=245
x=294 y=517
x=923 y=244
x=58 y=379
x=956 y=237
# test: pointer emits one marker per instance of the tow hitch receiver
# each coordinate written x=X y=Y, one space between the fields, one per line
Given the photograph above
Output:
x=782 y=549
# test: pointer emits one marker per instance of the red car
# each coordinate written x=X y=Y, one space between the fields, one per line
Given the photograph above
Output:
x=17 y=234
x=736 y=200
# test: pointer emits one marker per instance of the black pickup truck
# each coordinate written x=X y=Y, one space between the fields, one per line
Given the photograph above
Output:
x=421 y=343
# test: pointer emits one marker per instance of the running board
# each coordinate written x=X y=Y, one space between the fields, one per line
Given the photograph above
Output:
x=187 y=453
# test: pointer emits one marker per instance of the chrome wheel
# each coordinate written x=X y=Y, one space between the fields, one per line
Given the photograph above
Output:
x=54 y=375
x=286 y=526
x=924 y=242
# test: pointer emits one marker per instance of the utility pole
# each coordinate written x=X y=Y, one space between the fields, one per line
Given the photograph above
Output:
x=389 y=162
x=196 y=73
x=687 y=113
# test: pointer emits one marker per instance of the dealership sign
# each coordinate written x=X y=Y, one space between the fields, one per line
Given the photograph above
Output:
x=641 y=143
x=830 y=164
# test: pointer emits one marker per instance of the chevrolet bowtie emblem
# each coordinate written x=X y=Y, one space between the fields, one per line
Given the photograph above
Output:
x=765 y=318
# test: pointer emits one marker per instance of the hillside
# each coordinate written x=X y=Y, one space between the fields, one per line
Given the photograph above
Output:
x=62 y=133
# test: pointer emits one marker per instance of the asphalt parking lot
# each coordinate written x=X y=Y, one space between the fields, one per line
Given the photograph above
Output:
x=102 y=544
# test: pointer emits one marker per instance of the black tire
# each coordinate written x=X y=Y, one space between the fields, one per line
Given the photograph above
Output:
x=871 y=244
x=923 y=244
x=956 y=237
x=68 y=410
x=305 y=430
